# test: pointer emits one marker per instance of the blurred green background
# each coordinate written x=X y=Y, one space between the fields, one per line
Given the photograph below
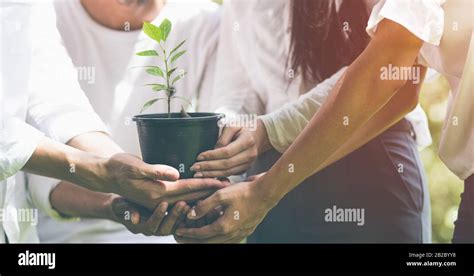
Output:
x=445 y=187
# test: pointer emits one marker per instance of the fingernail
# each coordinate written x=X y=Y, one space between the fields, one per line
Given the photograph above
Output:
x=192 y=214
x=170 y=173
x=198 y=174
x=200 y=158
x=195 y=168
x=163 y=207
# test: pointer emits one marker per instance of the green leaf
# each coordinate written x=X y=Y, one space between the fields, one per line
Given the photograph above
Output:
x=157 y=86
x=153 y=31
x=150 y=103
x=165 y=28
x=155 y=71
x=148 y=53
x=171 y=71
x=177 y=47
x=177 y=78
x=175 y=57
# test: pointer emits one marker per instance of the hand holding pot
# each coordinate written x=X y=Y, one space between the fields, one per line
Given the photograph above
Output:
x=148 y=185
x=141 y=221
x=234 y=153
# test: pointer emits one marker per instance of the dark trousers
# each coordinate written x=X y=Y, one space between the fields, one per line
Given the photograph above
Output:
x=464 y=225
x=384 y=178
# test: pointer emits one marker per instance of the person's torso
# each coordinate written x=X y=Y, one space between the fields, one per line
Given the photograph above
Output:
x=106 y=61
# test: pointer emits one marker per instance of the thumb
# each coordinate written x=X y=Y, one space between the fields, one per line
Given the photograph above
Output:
x=125 y=211
x=204 y=207
x=226 y=136
x=160 y=172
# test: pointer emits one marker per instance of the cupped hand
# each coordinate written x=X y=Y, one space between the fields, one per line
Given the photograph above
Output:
x=148 y=185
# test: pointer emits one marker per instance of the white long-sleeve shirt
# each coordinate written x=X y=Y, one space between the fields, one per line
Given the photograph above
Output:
x=252 y=76
x=117 y=93
x=31 y=51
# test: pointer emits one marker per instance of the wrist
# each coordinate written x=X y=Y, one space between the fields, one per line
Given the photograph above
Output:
x=89 y=171
x=266 y=193
x=107 y=210
x=261 y=138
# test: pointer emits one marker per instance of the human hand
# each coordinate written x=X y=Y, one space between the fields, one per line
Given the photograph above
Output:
x=148 y=185
x=139 y=220
x=244 y=206
x=234 y=153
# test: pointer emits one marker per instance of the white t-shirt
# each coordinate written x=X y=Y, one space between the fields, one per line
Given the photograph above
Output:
x=446 y=27
x=253 y=51
x=117 y=93
x=37 y=85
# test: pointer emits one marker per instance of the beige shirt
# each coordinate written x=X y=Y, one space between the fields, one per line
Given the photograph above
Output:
x=446 y=27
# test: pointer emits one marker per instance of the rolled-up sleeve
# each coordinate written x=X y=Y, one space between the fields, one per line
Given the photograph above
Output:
x=284 y=125
x=18 y=142
x=39 y=190
x=423 y=18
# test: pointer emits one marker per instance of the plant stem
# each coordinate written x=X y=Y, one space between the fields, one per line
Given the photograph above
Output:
x=167 y=81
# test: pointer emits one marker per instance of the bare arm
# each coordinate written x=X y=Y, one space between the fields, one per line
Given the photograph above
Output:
x=399 y=105
x=358 y=98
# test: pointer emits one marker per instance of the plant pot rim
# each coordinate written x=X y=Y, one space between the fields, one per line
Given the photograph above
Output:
x=163 y=117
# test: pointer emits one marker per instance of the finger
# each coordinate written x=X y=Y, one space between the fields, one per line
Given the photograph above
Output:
x=153 y=223
x=224 y=164
x=255 y=177
x=213 y=233
x=192 y=185
x=171 y=219
x=234 y=237
x=189 y=197
x=125 y=211
x=181 y=218
x=239 y=145
x=159 y=172
x=214 y=239
x=228 y=133
x=223 y=173
x=206 y=206
x=204 y=232
x=214 y=215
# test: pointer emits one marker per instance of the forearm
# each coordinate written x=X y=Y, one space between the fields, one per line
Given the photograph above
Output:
x=350 y=105
x=75 y=201
x=56 y=160
x=80 y=162
x=404 y=101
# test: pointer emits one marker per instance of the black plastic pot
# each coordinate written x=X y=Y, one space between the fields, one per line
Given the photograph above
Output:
x=177 y=141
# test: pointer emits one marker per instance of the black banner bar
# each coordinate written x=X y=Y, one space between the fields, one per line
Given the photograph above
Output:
x=444 y=259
